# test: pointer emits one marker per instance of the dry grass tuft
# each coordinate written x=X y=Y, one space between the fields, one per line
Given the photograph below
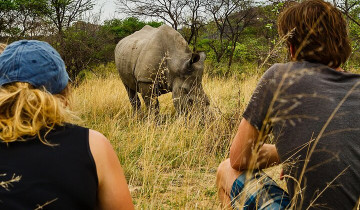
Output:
x=9 y=183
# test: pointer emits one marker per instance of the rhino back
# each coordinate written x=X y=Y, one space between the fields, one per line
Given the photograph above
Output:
x=174 y=41
x=166 y=47
x=127 y=54
x=152 y=56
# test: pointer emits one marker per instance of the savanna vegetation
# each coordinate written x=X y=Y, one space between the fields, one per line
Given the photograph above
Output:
x=236 y=35
x=170 y=162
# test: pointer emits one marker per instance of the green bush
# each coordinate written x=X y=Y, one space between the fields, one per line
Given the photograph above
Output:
x=84 y=45
x=123 y=28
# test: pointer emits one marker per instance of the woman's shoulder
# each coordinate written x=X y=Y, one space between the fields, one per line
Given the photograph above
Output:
x=58 y=129
x=98 y=142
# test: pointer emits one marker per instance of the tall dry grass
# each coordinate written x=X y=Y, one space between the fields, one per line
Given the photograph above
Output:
x=171 y=162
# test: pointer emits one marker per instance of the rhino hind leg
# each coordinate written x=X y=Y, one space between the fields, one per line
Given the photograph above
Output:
x=134 y=98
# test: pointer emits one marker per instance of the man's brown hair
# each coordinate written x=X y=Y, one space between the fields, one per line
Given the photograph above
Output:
x=317 y=31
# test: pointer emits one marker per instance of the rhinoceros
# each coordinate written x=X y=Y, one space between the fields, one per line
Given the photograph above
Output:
x=155 y=61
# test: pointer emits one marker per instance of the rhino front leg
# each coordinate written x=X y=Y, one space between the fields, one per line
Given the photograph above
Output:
x=150 y=96
x=134 y=98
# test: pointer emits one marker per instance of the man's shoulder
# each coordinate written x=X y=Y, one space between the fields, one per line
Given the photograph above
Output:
x=277 y=70
x=298 y=69
x=294 y=66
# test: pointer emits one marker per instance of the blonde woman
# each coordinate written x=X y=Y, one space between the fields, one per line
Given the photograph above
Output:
x=60 y=165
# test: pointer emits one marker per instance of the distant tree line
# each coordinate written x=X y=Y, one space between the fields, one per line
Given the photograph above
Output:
x=80 y=40
x=229 y=31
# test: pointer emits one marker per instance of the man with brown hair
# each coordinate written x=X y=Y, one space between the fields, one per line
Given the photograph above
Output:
x=309 y=109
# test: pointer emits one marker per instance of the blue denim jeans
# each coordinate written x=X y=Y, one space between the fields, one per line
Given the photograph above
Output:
x=256 y=190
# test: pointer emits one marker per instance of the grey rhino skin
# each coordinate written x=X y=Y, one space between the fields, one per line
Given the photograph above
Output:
x=155 y=61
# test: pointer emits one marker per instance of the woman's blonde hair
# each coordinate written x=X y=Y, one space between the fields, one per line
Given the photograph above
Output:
x=26 y=111
x=2 y=47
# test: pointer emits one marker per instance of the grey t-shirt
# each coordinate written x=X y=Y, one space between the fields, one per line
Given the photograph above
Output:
x=311 y=106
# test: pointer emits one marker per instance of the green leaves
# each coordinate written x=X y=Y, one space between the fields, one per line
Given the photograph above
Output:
x=21 y=18
x=123 y=28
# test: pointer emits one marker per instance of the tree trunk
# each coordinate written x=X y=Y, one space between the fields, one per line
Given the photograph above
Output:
x=192 y=31
x=230 y=61
x=232 y=53
x=195 y=42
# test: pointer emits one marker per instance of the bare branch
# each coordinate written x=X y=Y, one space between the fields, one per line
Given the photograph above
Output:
x=170 y=11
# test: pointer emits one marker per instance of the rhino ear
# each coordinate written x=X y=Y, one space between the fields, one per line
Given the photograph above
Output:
x=202 y=56
x=195 y=57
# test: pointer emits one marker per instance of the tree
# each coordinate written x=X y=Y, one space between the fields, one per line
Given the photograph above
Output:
x=123 y=28
x=24 y=18
x=21 y=18
x=170 y=11
x=347 y=7
x=64 y=12
x=30 y=17
x=194 y=21
x=84 y=45
x=230 y=18
x=6 y=17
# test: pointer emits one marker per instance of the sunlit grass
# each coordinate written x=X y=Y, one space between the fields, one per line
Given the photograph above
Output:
x=170 y=162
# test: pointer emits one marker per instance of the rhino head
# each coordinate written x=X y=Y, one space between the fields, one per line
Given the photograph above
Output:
x=185 y=75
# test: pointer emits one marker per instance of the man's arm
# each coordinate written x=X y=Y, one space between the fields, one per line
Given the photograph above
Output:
x=241 y=151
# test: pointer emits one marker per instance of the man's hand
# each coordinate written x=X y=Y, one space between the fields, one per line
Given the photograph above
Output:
x=267 y=156
x=241 y=149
